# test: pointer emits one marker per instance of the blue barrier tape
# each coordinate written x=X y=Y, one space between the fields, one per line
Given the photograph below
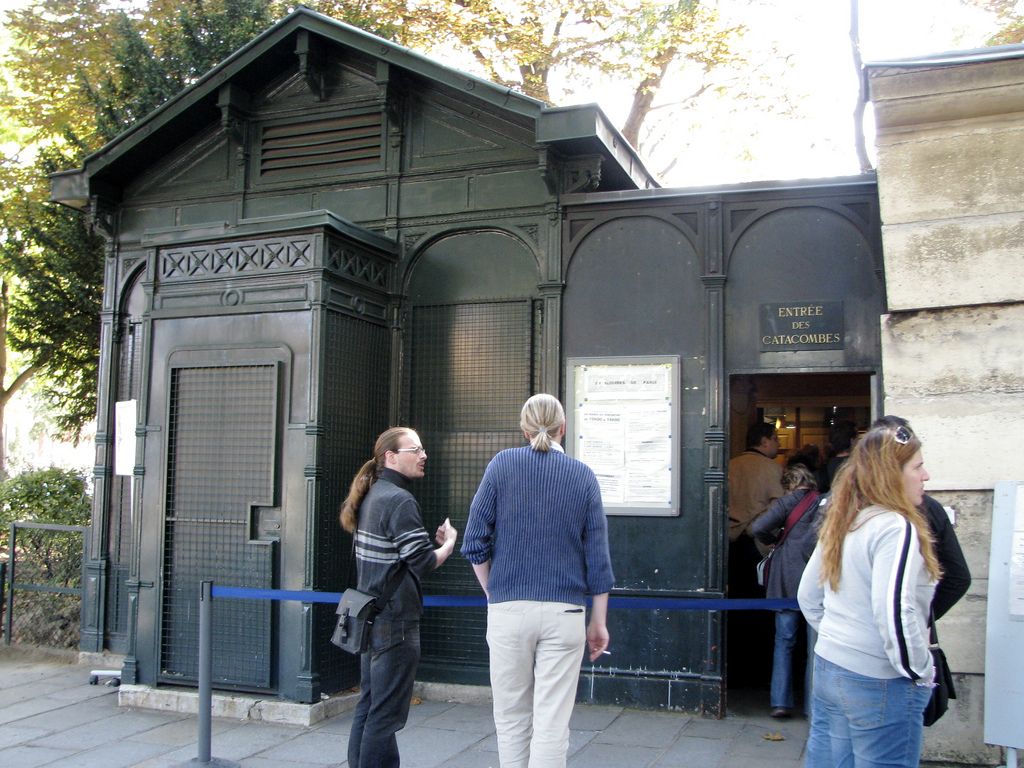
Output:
x=466 y=601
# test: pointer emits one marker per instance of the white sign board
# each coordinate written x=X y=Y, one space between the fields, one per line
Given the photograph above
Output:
x=1004 y=631
x=622 y=415
x=124 y=437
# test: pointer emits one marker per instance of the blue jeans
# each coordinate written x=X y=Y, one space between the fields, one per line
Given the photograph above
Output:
x=787 y=626
x=387 y=672
x=864 y=722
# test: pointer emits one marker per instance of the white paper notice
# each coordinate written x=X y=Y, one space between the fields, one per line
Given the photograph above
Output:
x=1017 y=559
x=124 y=437
x=624 y=432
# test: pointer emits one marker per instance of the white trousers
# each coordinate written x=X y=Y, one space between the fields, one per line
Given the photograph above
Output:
x=536 y=651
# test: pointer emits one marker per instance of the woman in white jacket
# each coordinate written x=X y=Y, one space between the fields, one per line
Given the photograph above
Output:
x=867 y=591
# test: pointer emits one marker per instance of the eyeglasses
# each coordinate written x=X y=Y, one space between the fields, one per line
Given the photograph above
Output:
x=902 y=435
x=417 y=449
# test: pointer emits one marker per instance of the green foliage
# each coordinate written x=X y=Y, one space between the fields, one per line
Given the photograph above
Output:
x=51 y=495
x=54 y=313
x=85 y=71
x=48 y=558
x=1008 y=15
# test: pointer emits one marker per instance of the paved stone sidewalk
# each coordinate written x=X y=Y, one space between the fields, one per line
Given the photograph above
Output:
x=51 y=716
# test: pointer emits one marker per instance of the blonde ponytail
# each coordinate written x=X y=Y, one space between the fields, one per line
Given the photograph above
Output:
x=541 y=414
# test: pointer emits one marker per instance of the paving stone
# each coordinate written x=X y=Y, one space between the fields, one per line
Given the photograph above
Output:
x=713 y=729
x=117 y=753
x=262 y=762
x=428 y=709
x=27 y=756
x=423 y=747
x=605 y=755
x=650 y=729
x=473 y=718
x=119 y=726
x=585 y=718
x=182 y=732
x=695 y=752
x=253 y=739
x=24 y=709
x=11 y=735
x=309 y=747
x=71 y=715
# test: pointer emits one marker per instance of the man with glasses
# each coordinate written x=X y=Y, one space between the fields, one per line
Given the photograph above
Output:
x=393 y=553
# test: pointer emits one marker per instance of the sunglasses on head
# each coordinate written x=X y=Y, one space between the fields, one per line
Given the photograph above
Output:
x=902 y=435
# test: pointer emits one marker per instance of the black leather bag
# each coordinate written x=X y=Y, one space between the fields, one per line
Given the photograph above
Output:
x=943 y=690
x=356 y=612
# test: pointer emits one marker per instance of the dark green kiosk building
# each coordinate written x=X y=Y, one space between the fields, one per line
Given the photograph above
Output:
x=329 y=234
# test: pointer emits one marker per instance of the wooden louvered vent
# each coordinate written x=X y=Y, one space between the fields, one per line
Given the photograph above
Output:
x=321 y=146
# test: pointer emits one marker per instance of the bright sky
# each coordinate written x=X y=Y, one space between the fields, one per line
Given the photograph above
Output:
x=817 y=139
x=722 y=145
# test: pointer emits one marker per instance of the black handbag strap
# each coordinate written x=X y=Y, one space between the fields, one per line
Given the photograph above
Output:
x=933 y=636
x=389 y=588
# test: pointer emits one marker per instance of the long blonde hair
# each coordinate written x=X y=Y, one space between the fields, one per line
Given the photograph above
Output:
x=873 y=475
x=541 y=415
x=367 y=476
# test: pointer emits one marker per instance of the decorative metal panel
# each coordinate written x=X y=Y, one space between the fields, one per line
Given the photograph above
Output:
x=220 y=464
x=219 y=260
x=470 y=370
x=354 y=408
x=312 y=147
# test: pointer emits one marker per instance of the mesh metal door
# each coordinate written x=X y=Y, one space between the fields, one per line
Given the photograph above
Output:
x=221 y=460
x=470 y=370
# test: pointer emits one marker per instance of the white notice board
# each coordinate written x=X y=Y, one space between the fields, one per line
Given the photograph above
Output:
x=621 y=421
x=1004 y=633
x=124 y=436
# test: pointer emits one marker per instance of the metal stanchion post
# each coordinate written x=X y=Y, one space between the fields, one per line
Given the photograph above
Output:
x=206 y=679
x=205 y=670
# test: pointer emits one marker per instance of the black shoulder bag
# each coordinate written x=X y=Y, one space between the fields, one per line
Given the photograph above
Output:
x=358 y=610
x=943 y=690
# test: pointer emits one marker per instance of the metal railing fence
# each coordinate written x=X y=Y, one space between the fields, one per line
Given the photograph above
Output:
x=43 y=584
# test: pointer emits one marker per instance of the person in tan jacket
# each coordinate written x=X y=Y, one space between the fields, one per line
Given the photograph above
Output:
x=755 y=481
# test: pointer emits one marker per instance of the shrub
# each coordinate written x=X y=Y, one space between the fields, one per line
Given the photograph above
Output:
x=51 y=495
x=46 y=558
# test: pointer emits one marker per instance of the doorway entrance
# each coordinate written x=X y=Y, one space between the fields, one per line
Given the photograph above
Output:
x=806 y=409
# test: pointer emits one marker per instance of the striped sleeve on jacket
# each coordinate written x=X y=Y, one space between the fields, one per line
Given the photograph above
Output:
x=897 y=565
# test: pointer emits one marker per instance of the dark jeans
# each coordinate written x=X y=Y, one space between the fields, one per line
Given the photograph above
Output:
x=387 y=672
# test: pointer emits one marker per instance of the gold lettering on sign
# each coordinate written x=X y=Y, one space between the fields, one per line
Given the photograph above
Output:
x=808 y=310
x=803 y=338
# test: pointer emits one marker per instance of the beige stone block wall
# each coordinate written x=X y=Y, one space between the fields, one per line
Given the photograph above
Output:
x=950 y=145
x=916 y=96
x=958 y=376
x=972 y=169
x=950 y=262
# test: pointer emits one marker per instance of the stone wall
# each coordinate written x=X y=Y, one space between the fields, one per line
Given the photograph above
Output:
x=950 y=140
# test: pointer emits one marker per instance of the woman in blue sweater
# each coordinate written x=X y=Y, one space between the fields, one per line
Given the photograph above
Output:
x=538 y=542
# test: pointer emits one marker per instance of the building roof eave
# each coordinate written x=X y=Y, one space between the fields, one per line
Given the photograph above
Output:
x=585 y=129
